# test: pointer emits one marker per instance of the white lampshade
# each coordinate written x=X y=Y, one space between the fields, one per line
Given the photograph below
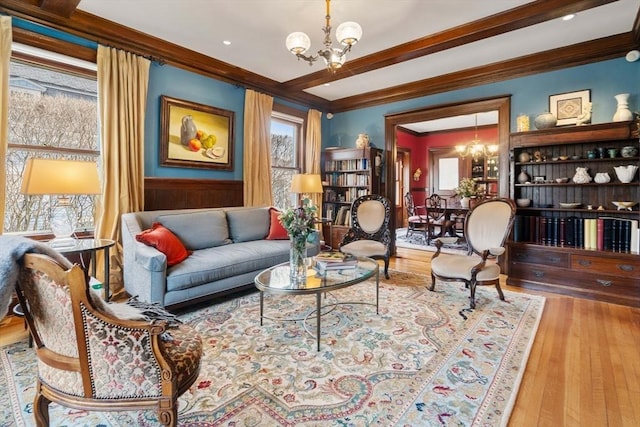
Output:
x=348 y=33
x=306 y=183
x=298 y=42
x=52 y=176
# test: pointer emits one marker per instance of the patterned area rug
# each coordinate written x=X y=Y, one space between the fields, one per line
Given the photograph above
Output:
x=425 y=360
x=416 y=240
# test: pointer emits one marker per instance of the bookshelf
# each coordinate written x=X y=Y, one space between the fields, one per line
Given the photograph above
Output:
x=348 y=173
x=572 y=239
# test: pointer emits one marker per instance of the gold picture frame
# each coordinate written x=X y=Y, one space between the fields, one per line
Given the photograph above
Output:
x=195 y=135
x=568 y=106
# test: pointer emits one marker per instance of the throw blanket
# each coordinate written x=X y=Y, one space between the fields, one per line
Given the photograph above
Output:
x=13 y=248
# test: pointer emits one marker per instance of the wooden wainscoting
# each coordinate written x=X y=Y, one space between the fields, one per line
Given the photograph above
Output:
x=178 y=193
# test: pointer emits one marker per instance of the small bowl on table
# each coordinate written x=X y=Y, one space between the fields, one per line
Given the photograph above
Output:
x=562 y=180
x=523 y=203
x=563 y=157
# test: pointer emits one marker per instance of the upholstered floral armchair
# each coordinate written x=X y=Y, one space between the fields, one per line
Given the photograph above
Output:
x=91 y=358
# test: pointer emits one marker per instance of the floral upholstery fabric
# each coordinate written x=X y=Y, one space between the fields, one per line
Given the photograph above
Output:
x=183 y=347
x=121 y=360
x=54 y=323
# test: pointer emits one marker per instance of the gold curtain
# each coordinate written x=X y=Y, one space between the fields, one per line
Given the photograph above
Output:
x=313 y=150
x=5 y=57
x=122 y=94
x=257 y=149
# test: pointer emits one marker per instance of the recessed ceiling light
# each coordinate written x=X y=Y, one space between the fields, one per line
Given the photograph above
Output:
x=568 y=17
x=226 y=42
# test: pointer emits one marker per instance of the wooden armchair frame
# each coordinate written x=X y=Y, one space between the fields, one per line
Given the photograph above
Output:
x=165 y=386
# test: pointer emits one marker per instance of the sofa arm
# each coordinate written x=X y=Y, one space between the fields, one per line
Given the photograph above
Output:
x=144 y=267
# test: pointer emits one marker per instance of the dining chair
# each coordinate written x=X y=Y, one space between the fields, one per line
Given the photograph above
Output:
x=437 y=217
x=416 y=215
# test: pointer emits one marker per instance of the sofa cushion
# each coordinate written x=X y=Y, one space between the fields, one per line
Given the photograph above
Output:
x=248 y=224
x=165 y=241
x=198 y=230
x=276 y=230
x=212 y=264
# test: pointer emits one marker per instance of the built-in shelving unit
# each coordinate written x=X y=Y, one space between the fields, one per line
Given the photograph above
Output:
x=572 y=239
x=347 y=174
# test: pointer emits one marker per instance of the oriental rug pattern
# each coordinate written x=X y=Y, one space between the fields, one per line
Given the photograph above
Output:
x=425 y=360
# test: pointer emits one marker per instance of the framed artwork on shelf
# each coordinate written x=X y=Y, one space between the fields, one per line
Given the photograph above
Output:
x=567 y=107
x=195 y=135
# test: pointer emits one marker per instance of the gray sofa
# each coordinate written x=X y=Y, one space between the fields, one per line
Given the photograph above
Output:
x=229 y=249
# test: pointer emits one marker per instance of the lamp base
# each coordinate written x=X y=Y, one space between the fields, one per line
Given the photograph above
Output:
x=63 y=242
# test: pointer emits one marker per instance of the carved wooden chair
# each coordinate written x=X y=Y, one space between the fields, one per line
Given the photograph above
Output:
x=91 y=359
x=369 y=234
x=436 y=213
x=486 y=228
x=416 y=216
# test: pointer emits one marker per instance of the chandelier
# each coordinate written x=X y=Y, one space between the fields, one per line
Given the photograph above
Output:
x=348 y=34
x=476 y=148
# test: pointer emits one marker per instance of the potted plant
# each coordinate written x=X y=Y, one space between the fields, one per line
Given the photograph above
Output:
x=466 y=189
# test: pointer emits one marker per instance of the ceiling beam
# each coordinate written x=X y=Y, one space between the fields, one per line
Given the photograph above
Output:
x=500 y=23
x=556 y=59
x=64 y=8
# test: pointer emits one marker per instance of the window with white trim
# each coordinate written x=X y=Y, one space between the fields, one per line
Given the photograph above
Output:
x=53 y=113
x=286 y=154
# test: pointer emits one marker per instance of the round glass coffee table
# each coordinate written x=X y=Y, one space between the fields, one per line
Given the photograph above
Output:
x=275 y=280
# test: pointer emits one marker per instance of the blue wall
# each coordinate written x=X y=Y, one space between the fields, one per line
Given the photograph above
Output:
x=177 y=83
x=529 y=95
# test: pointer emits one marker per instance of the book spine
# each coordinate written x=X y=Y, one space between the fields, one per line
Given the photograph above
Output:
x=599 y=234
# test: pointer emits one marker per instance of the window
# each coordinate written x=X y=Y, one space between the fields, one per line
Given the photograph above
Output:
x=286 y=143
x=52 y=114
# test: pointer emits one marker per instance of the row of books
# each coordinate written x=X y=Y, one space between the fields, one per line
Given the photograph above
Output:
x=347 y=179
x=602 y=233
x=344 y=196
x=343 y=216
x=346 y=165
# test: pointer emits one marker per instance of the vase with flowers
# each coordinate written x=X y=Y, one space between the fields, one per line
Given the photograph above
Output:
x=466 y=189
x=300 y=224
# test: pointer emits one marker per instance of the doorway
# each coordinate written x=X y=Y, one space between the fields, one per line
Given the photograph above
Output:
x=402 y=184
x=500 y=104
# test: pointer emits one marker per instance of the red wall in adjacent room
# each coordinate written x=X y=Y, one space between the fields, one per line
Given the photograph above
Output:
x=420 y=145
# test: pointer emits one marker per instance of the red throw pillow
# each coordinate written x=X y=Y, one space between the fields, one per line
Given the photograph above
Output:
x=276 y=230
x=166 y=242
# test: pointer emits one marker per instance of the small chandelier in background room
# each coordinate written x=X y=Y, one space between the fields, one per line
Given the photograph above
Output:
x=348 y=34
x=475 y=148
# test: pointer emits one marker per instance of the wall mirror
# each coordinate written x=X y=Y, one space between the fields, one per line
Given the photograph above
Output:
x=499 y=162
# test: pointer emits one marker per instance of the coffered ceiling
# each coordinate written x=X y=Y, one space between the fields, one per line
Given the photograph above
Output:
x=409 y=48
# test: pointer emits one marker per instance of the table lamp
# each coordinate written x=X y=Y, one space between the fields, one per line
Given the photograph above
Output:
x=306 y=184
x=61 y=178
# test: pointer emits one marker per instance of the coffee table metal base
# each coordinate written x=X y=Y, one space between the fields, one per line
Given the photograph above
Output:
x=318 y=311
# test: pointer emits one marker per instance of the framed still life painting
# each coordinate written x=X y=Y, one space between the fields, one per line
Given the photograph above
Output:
x=195 y=135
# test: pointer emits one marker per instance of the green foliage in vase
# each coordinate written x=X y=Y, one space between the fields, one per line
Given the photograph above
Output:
x=467 y=188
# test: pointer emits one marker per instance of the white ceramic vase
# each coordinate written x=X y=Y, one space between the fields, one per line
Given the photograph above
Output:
x=602 y=178
x=622 y=112
x=464 y=202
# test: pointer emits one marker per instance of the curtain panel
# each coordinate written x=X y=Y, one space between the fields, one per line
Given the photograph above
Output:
x=122 y=95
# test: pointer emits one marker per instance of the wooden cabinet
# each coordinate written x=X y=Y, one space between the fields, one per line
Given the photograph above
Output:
x=572 y=239
x=347 y=174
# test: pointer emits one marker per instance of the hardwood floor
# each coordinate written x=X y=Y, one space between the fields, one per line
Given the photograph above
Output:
x=584 y=366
